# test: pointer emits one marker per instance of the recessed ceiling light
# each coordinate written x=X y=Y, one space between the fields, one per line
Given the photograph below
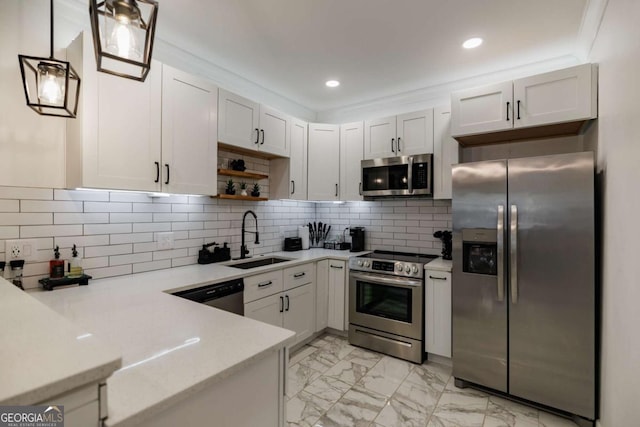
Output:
x=332 y=83
x=471 y=43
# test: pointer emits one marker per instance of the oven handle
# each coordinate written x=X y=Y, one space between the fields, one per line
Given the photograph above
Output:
x=404 y=282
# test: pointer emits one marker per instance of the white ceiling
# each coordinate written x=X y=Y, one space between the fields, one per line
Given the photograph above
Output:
x=375 y=48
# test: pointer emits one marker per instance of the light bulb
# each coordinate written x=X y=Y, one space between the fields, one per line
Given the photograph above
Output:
x=51 y=84
x=123 y=40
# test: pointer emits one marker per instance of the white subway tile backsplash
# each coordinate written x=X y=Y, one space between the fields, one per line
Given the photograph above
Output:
x=107 y=207
x=50 y=206
x=186 y=208
x=131 y=238
x=152 y=265
x=130 y=259
x=26 y=193
x=171 y=253
x=81 y=195
x=81 y=241
x=89 y=263
x=9 y=206
x=94 y=251
x=80 y=218
x=100 y=273
x=11 y=232
x=179 y=262
x=26 y=218
x=118 y=196
x=151 y=207
x=129 y=217
x=106 y=229
x=170 y=217
x=50 y=230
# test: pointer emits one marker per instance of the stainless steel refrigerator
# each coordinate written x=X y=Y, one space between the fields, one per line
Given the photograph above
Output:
x=524 y=302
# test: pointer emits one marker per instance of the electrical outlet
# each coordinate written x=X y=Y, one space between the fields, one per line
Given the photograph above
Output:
x=164 y=241
x=26 y=249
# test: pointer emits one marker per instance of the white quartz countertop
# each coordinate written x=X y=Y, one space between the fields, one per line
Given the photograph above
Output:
x=439 y=264
x=171 y=348
x=43 y=354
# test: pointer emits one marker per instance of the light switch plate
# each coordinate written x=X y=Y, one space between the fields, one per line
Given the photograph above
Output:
x=26 y=249
x=164 y=241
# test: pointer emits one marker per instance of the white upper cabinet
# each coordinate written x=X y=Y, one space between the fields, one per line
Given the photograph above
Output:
x=324 y=162
x=189 y=132
x=563 y=98
x=115 y=142
x=351 y=153
x=445 y=153
x=238 y=120
x=402 y=135
x=157 y=135
x=252 y=126
x=483 y=109
x=555 y=97
x=379 y=138
x=414 y=133
x=288 y=176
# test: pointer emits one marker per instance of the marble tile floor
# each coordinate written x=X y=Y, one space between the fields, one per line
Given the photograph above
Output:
x=334 y=384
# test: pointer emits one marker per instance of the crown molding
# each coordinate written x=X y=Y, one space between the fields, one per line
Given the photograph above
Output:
x=589 y=27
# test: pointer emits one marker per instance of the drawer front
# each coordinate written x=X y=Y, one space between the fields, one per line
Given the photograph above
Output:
x=262 y=285
x=298 y=275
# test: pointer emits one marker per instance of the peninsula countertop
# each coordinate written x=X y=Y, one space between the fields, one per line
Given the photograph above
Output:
x=171 y=348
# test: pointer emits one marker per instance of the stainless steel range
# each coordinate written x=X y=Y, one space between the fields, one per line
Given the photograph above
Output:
x=386 y=303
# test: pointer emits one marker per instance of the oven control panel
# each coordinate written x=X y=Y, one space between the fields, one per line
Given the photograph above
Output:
x=396 y=268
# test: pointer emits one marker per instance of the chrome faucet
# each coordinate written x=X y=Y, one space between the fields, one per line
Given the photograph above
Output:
x=243 y=248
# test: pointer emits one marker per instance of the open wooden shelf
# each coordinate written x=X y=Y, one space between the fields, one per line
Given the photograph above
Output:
x=239 y=174
x=238 y=197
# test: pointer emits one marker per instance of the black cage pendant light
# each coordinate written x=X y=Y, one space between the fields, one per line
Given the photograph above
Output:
x=123 y=33
x=51 y=86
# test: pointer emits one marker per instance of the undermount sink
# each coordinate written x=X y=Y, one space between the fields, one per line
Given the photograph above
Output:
x=260 y=262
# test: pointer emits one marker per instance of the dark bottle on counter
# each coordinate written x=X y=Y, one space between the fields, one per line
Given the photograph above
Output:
x=56 y=266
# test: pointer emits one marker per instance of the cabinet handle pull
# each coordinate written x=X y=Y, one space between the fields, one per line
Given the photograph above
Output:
x=257 y=136
x=293 y=186
x=281 y=304
x=157 y=171
x=518 y=110
x=392 y=141
x=398 y=144
x=299 y=274
x=360 y=189
x=262 y=132
x=336 y=266
x=336 y=190
x=168 y=173
x=263 y=284
x=437 y=278
x=287 y=297
x=508 y=103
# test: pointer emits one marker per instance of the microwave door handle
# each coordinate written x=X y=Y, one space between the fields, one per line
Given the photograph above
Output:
x=500 y=241
x=513 y=255
x=410 y=174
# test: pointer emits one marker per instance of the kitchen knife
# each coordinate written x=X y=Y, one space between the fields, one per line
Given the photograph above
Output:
x=310 y=233
x=320 y=235
x=327 y=233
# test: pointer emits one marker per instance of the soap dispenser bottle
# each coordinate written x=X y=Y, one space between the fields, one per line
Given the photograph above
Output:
x=56 y=265
x=75 y=267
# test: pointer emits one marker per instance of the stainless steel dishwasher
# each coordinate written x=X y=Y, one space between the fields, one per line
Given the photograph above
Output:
x=226 y=296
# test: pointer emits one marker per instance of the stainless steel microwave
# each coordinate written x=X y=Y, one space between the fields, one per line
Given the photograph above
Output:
x=398 y=176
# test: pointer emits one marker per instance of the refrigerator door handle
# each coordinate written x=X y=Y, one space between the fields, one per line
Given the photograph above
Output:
x=500 y=241
x=513 y=254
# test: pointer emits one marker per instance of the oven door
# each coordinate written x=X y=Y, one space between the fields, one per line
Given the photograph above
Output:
x=386 y=303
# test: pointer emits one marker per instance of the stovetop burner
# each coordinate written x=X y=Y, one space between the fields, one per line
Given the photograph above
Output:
x=399 y=256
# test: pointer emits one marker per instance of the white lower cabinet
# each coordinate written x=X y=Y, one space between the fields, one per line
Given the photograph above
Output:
x=290 y=306
x=337 y=295
x=322 y=295
x=81 y=406
x=437 y=313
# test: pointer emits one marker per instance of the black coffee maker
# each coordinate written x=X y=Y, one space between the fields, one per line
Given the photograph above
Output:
x=357 y=238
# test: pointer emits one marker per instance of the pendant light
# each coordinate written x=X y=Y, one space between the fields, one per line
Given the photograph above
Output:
x=123 y=33
x=51 y=86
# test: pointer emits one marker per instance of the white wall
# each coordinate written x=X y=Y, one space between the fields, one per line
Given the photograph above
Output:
x=617 y=50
